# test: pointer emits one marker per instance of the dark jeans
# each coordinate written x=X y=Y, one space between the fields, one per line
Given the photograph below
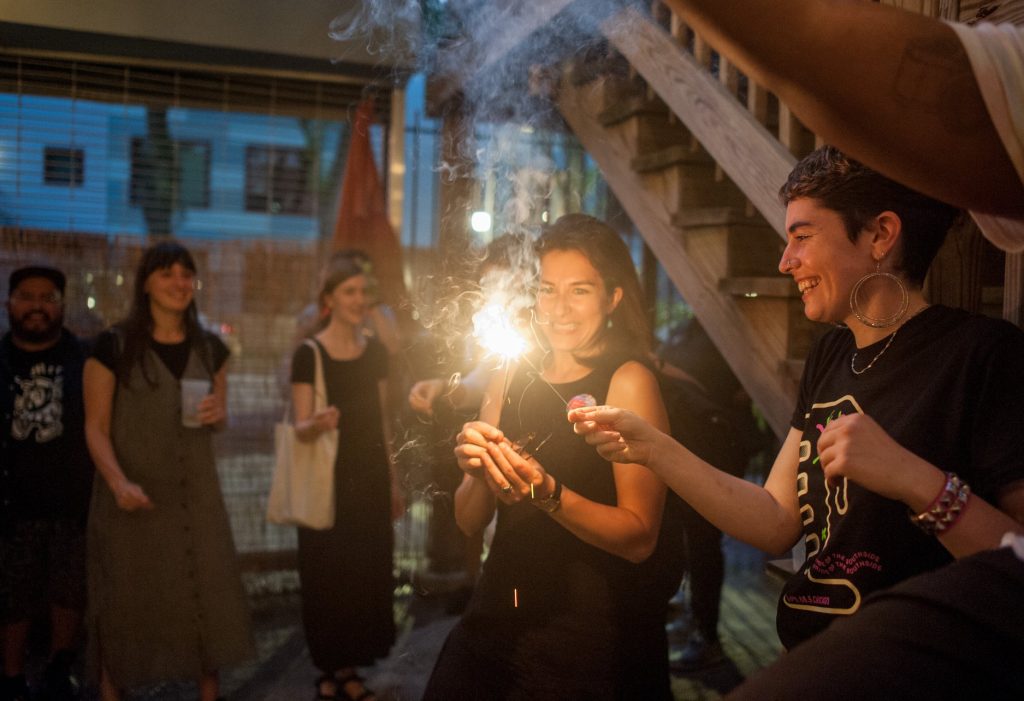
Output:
x=955 y=633
x=706 y=566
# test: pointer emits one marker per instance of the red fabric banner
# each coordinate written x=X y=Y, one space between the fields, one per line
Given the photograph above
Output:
x=362 y=217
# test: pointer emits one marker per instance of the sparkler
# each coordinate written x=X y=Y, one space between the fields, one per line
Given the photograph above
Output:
x=497 y=332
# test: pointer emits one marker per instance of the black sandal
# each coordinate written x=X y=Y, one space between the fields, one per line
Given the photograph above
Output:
x=348 y=679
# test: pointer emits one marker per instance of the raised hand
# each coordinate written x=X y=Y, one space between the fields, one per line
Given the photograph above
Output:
x=857 y=448
x=618 y=434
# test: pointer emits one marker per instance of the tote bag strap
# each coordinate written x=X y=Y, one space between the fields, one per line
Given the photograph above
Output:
x=319 y=386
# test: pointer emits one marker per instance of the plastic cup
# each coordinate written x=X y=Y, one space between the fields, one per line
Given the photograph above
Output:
x=192 y=392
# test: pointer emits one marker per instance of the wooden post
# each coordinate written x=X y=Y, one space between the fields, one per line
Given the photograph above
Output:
x=456 y=188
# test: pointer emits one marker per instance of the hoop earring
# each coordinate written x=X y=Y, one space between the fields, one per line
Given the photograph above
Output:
x=883 y=322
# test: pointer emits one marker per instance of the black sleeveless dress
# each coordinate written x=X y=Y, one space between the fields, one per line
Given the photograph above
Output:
x=550 y=614
x=346 y=571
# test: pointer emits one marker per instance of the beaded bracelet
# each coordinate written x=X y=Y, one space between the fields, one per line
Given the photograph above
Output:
x=946 y=509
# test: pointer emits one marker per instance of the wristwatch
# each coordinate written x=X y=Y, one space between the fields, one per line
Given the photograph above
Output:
x=552 y=502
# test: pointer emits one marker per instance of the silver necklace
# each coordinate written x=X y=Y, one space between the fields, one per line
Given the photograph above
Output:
x=853 y=358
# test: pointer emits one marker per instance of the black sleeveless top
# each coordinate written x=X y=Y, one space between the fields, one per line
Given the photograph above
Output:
x=552 y=617
x=536 y=568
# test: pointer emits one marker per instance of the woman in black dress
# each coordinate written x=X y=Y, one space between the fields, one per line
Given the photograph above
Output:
x=346 y=571
x=557 y=612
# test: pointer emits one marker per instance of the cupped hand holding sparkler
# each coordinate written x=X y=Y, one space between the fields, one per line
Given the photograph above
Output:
x=618 y=434
x=483 y=452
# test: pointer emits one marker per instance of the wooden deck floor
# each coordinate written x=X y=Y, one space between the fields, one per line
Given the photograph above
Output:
x=747 y=632
x=285 y=673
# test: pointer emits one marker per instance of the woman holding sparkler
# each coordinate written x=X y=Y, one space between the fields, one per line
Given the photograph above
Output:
x=556 y=609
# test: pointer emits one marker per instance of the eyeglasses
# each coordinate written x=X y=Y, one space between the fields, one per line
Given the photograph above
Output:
x=52 y=298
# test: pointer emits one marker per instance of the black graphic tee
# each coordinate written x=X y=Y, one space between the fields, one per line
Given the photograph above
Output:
x=49 y=473
x=949 y=389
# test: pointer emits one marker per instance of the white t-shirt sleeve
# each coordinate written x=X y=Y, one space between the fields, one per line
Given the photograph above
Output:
x=996 y=53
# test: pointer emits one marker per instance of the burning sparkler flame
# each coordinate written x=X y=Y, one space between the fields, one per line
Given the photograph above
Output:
x=495 y=331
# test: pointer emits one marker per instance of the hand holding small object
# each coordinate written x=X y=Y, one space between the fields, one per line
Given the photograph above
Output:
x=210 y=411
x=326 y=419
x=618 y=434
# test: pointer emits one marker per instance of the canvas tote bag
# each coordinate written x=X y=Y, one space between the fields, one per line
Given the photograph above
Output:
x=302 y=492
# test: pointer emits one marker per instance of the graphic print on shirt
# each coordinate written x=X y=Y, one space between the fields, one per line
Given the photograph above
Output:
x=833 y=592
x=39 y=404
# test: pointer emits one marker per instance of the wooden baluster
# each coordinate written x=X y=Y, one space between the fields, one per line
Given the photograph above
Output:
x=702 y=54
x=757 y=101
x=728 y=76
x=789 y=129
x=1013 y=289
x=677 y=28
x=701 y=51
x=661 y=13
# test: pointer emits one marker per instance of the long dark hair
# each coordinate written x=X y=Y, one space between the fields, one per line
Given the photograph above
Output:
x=137 y=329
x=628 y=334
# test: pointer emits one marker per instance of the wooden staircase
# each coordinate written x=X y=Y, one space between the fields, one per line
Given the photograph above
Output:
x=676 y=175
x=695 y=152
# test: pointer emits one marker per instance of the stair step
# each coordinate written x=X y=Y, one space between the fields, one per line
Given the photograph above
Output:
x=675 y=154
x=716 y=216
x=596 y=61
x=732 y=244
x=750 y=287
x=622 y=108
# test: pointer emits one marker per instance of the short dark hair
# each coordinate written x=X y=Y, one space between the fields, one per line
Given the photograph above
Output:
x=630 y=332
x=858 y=193
x=30 y=271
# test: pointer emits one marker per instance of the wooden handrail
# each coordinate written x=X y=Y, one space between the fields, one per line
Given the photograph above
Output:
x=748 y=153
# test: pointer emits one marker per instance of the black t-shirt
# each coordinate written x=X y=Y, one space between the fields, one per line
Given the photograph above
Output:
x=353 y=387
x=174 y=355
x=948 y=389
x=47 y=471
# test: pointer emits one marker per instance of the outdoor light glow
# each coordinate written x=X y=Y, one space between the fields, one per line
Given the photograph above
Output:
x=480 y=222
x=91 y=303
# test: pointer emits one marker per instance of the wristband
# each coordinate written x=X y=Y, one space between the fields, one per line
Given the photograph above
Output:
x=946 y=509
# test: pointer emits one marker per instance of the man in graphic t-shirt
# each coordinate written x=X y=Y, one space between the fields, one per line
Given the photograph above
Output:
x=45 y=480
